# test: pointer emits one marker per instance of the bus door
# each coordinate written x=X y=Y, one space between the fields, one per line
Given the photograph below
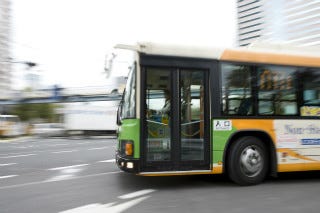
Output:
x=175 y=120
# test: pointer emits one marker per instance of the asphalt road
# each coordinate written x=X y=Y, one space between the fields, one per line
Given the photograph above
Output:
x=79 y=175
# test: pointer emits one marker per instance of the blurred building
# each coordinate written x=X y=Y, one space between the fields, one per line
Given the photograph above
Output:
x=288 y=21
x=5 y=65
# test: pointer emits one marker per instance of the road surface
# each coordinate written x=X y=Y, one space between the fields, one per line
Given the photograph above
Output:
x=78 y=175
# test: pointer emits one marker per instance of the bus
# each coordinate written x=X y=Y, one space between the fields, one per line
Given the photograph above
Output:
x=247 y=113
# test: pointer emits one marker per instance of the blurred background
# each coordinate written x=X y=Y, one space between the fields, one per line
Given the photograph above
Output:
x=53 y=52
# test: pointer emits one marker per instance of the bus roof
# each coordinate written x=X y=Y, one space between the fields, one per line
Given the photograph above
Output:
x=268 y=54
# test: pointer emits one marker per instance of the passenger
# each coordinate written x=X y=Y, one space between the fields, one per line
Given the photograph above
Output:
x=166 y=107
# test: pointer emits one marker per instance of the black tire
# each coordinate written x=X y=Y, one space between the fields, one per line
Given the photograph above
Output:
x=247 y=161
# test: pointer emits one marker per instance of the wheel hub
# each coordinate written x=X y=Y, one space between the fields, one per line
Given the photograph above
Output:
x=251 y=161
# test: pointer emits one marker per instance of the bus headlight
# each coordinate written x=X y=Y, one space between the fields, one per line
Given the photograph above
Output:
x=129 y=165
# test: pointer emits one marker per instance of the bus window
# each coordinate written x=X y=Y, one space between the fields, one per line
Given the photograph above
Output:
x=236 y=89
x=277 y=90
x=311 y=93
x=311 y=88
x=192 y=115
x=158 y=95
x=129 y=107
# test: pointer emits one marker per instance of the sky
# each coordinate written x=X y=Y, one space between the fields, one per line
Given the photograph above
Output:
x=68 y=39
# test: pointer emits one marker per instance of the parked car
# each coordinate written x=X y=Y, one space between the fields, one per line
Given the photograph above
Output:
x=11 y=126
x=48 y=130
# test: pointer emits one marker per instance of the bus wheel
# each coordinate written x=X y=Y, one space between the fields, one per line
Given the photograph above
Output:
x=247 y=161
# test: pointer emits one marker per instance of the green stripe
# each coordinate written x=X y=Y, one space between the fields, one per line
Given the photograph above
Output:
x=219 y=141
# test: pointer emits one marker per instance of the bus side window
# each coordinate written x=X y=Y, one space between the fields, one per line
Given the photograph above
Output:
x=236 y=89
x=277 y=90
x=311 y=88
x=311 y=92
x=245 y=107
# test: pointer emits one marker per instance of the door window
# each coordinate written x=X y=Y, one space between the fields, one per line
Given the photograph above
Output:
x=192 y=115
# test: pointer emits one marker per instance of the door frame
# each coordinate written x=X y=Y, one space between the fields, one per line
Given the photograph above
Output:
x=175 y=64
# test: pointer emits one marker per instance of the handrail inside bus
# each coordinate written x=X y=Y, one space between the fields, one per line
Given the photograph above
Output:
x=155 y=122
x=193 y=122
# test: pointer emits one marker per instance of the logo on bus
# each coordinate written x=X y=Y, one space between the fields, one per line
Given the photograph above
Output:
x=222 y=125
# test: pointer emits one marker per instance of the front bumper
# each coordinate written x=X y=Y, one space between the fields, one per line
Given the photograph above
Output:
x=127 y=164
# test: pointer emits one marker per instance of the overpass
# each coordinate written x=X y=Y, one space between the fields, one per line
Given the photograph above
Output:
x=62 y=99
x=63 y=95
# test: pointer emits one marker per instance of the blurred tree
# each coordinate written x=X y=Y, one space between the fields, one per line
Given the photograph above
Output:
x=29 y=112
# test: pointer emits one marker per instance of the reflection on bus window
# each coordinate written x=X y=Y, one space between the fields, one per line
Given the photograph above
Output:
x=311 y=92
x=129 y=105
x=192 y=114
x=277 y=90
x=236 y=89
x=158 y=108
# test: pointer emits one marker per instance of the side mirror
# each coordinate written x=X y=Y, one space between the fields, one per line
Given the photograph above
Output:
x=119 y=113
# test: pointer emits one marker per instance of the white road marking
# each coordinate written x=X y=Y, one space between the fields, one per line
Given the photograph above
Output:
x=61 y=144
x=8 y=176
x=84 y=143
x=17 y=156
x=13 y=153
x=124 y=206
x=60 y=178
x=107 y=161
x=136 y=194
x=18 y=147
x=109 y=207
x=65 y=174
x=65 y=151
x=95 y=208
x=8 y=164
x=26 y=152
x=68 y=167
x=98 y=148
x=73 y=178
x=22 y=147
x=71 y=170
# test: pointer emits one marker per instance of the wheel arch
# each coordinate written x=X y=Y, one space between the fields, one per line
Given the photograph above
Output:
x=264 y=137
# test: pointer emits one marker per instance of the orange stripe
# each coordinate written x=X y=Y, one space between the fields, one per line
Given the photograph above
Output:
x=176 y=174
x=265 y=125
x=270 y=58
x=296 y=167
x=217 y=170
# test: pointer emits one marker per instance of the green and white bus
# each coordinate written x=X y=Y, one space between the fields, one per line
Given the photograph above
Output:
x=246 y=113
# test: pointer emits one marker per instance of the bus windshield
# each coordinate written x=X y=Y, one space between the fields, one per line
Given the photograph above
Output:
x=128 y=107
x=122 y=63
